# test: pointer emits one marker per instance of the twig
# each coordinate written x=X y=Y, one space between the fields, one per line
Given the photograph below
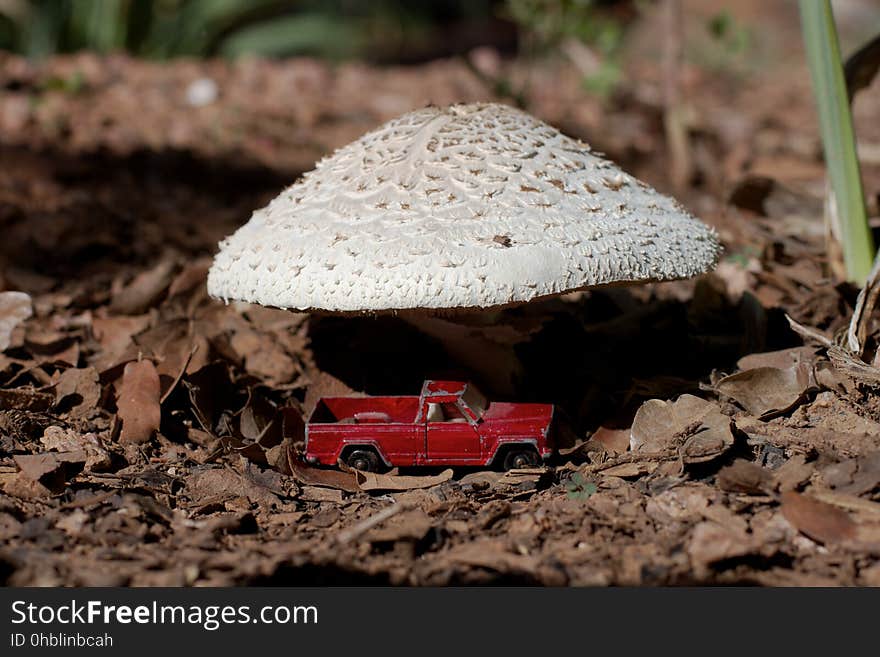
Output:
x=674 y=117
x=808 y=333
x=357 y=530
x=180 y=374
x=867 y=300
x=634 y=457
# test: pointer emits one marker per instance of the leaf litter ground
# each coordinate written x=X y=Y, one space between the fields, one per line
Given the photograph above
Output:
x=150 y=435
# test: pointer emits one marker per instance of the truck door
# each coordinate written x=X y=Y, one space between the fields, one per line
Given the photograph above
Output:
x=451 y=437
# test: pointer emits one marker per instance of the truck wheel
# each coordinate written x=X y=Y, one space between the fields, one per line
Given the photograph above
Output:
x=520 y=457
x=363 y=459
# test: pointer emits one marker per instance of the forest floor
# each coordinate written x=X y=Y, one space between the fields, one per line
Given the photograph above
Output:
x=149 y=435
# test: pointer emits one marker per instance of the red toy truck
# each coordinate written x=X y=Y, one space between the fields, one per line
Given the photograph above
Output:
x=450 y=423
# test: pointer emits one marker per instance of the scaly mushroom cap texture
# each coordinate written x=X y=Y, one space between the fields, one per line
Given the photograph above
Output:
x=468 y=206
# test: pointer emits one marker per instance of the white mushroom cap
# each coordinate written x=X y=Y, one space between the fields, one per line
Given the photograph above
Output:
x=468 y=206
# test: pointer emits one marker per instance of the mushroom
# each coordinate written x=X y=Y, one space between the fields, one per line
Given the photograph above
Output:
x=467 y=207
x=463 y=207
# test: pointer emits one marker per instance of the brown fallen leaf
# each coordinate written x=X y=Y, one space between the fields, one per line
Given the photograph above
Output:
x=372 y=481
x=67 y=440
x=865 y=515
x=217 y=485
x=115 y=334
x=78 y=391
x=138 y=402
x=831 y=378
x=410 y=525
x=326 y=517
x=50 y=469
x=489 y=554
x=324 y=385
x=15 y=307
x=48 y=345
x=792 y=474
x=143 y=291
x=209 y=389
x=309 y=476
x=849 y=502
x=712 y=542
x=686 y=502
x=767 y=391
x=855 y=476
x=9 y=527
x=73 y=523
x=820 y=521
x=860 y=322
x=636 y=469
x=745 y=477
x=264 y=357
x=782 y=359
x=614 y=440
x=26 y=399
x=692 y=426
x=496 y=361
x=320 y=494
x=192 y=274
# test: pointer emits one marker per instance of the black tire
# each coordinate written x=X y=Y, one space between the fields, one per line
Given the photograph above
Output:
x=521 y=457
x=365 y=460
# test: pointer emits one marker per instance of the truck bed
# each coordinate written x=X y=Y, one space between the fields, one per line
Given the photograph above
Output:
x=365 y=410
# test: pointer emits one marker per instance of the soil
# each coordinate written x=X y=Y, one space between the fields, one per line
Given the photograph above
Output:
x=150 y=435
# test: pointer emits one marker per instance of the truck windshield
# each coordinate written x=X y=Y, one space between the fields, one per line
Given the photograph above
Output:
x=474 y=400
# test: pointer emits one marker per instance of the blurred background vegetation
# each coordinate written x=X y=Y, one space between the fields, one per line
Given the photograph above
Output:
x=589 y=33
x=371 y=30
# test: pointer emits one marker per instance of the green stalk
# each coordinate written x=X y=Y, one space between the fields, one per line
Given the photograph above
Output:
x=838 y=138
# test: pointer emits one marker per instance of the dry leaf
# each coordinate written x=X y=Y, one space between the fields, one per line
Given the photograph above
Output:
x=15 y=307
x=309 y=476
x=711 y=542
x=745 y=477
x=373 y=481
x=859 y=324
x=324 y=385
x=138 y=402
x=67 y=440
x=26 y=399
x=694 y=427
x=217 y=485
x=782 y=359
x=766 y=391
x=820 y=521
x=855 y=476
x=144 y=290
x=409 y=525
x=78 y=391
x=625 y=470
x=614 y=440
x=191 y=275
x=49 y=469
x=496 y=362
x=320 y=494
x=264 y=357
x=792 y=474
x=115 y=337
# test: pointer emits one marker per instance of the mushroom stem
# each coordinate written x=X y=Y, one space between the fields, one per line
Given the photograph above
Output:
x=495 y=363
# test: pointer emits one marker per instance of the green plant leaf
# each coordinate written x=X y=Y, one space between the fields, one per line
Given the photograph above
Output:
x=838 y=137
x=312 y=34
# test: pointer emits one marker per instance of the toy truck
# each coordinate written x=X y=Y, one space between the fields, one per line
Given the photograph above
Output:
x=450 y=423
